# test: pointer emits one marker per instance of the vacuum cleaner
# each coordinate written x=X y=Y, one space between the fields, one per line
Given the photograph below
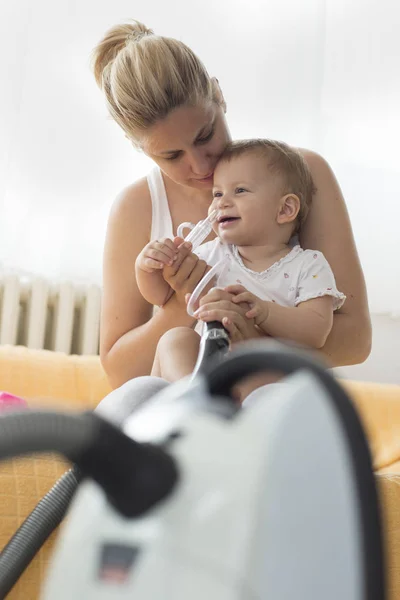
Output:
x=193 y=496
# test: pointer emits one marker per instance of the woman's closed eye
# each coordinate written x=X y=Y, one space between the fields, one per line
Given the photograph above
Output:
x=200 y=140
x=206 y=138
x=173 y=156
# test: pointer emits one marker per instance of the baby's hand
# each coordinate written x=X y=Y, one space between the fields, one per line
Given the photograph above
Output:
x=156 y=255
x=258 y=308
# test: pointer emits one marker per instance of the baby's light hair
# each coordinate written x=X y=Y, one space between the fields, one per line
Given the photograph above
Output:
x=283 y=160
x=145 y=76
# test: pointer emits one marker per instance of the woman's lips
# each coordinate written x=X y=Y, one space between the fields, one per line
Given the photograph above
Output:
x=206 y=179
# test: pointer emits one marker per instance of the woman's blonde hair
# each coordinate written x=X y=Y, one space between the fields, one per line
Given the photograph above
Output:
x=145 y=76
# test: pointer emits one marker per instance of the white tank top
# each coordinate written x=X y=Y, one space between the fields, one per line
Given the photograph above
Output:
x=161 y=221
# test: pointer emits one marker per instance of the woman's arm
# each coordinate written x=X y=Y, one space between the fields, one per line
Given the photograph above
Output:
x=328 y=229
x=129 y=333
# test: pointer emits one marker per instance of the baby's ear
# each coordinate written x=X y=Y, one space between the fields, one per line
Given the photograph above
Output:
x=288 y=209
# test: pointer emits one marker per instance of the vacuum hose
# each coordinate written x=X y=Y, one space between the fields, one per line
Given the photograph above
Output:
x=134 y=476
x=34 y=531
x=50 y=511
x=214 y=346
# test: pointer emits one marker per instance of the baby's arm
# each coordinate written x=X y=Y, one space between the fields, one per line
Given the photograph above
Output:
x=308 y=324
x=310 y=321
x=149 y=265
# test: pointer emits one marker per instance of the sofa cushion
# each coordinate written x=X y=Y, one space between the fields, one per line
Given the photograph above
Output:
x=57 y=380
x=78 y=381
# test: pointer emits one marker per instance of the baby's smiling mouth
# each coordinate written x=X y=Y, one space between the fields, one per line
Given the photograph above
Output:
x=226 y=218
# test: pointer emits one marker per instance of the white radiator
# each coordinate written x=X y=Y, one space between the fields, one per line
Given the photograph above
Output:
x=39 y=314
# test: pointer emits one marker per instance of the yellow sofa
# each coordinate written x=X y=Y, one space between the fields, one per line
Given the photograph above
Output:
x=75 y=382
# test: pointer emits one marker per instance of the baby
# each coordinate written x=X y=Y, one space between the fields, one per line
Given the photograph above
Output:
x=262 y=193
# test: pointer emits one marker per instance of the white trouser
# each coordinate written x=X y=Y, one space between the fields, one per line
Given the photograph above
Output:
x=120 y=403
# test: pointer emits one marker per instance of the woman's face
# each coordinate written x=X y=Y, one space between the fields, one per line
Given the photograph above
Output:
x=187 y=144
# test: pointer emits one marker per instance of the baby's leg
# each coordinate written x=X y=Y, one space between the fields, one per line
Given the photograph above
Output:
x=176 y=354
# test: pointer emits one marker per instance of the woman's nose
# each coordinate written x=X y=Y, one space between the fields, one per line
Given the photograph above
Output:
x=201 y=164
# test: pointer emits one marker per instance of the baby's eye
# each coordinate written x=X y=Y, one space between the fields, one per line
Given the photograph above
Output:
x=217 y=194
x=240 y=190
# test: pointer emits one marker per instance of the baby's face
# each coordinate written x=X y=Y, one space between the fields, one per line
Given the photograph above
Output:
x=246 y=196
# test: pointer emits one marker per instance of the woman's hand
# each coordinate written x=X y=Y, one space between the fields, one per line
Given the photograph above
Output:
x=185 y=272
x=217 y=305
x=259 y=309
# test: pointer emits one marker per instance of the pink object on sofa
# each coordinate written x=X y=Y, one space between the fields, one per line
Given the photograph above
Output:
x=9 y=401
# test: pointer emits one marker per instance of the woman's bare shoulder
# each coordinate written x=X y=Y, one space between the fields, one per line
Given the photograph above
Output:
x=328 y=218
x=308 y=154
x=128 y=231
x=132 y=201
x=316 y=163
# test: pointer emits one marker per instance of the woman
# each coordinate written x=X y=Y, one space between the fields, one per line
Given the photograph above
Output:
x=160 y=94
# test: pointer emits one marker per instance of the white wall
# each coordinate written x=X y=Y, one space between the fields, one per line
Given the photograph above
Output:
x=317 y=73
x=382 y=366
